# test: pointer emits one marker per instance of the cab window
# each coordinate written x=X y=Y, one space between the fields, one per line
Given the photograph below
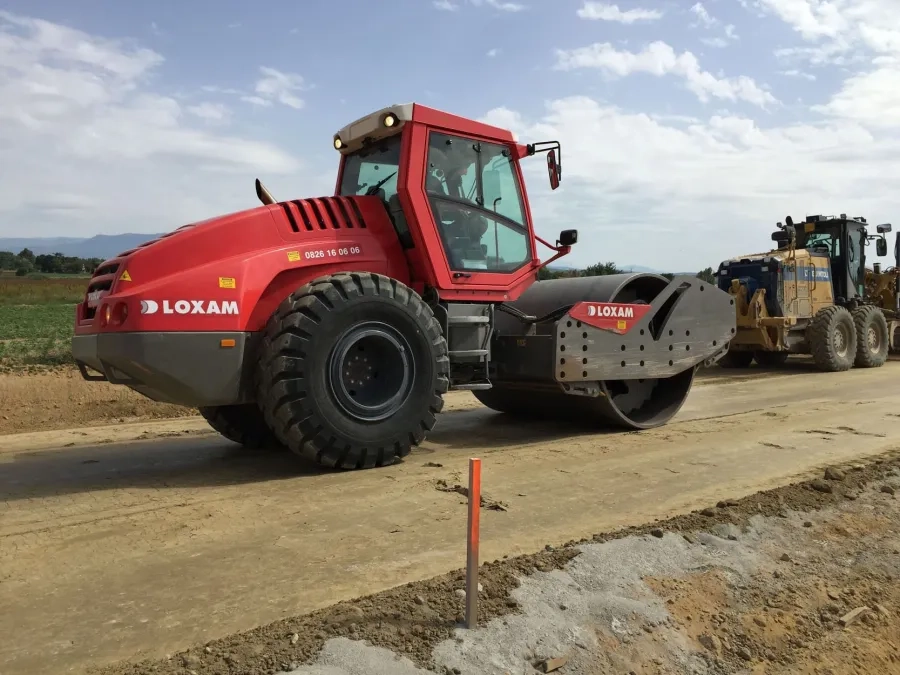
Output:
x=373 y=170
x=475 y=197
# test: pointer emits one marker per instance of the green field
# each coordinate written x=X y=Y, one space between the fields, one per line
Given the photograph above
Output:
x=36 y=320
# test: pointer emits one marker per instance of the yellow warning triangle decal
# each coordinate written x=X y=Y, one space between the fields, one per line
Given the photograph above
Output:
x=125 y=276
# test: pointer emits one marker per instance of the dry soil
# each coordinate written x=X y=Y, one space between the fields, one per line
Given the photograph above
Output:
x=802 y=580
x=135 y=550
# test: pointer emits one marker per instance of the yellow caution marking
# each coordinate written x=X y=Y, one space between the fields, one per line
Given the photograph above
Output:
x=622 y=325
x=293 y=256
x=125 y=276
x=227 y=282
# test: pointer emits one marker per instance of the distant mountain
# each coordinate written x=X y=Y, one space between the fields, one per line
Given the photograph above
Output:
x=101 y=246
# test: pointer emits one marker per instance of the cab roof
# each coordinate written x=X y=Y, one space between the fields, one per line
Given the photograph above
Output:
x=372 y=125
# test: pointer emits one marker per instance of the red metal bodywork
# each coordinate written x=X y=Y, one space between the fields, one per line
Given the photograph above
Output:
x=257 y=257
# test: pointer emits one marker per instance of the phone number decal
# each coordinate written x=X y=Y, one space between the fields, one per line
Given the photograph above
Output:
x=325 y=253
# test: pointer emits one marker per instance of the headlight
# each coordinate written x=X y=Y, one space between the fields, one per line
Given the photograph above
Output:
x=338 y=143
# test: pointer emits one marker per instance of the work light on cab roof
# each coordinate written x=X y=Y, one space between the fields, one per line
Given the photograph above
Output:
x=334 y=325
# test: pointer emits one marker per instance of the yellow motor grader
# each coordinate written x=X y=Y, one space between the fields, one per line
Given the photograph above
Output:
x=813 y=295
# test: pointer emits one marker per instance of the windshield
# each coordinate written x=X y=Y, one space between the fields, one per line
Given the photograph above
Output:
x=825 y=240
x=473 y=190
x=373 y=170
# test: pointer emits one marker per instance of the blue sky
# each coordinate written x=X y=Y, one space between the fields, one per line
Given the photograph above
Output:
x=688 y=128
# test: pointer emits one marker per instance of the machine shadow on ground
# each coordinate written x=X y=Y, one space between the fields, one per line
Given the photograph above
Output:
x=172 y=464
x=215 y=462
x=485 y=428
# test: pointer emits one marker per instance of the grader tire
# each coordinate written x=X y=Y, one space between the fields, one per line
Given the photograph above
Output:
x=832 y=339
x=872 y=338
x=243 y=424
x=770 y=359
x=733 y=359
x=352 y=371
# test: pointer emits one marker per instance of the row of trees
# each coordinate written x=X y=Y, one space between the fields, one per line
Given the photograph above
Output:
x=25 y=262
x=601 y=269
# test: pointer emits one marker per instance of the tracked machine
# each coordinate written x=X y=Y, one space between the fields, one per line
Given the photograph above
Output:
x=809 y=296
x=335 y=325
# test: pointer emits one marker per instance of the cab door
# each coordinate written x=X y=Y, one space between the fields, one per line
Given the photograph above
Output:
x=473 y=189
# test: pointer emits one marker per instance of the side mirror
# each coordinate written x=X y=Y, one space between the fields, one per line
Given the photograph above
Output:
x=568 y=237
x=883 y=229
x=553 y=169
x=490 y=182
x=881 y=246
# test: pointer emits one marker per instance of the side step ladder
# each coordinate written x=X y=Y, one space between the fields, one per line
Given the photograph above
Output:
x=469 y=331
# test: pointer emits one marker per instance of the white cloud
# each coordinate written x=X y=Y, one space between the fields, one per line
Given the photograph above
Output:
x=685 y=195
x=842 y=32
x=275 y=85
x=603 y=11
x=698 y=10
x=871 y=98
x=715 y=42
x=500 y=4
x=659 y=59
x=493 y=52
x=211 y=112
x=800 y=74
x=79 y=117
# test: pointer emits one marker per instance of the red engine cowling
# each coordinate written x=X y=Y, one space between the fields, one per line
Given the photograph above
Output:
x=176 y=317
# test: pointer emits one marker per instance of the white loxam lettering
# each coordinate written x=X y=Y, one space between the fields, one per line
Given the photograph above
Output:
x=611 y=312
x=191 y=307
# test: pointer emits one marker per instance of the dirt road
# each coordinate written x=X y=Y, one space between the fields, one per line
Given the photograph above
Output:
x=135 y=550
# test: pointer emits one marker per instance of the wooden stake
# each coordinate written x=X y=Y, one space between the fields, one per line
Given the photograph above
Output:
x=473 y=541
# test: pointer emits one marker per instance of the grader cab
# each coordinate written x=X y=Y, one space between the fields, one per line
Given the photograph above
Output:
x=808 y=297
x=335 y=325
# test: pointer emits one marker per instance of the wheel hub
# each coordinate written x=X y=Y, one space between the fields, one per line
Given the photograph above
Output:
x=371 y=371
x=873 y=340
x=840 y=342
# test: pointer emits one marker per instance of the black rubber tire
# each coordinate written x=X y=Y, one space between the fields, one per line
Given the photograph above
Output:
x=243 y=424
x=294 y=382
x=770 y=359
x=869 y=318
x=736 y=359
x=821 y=334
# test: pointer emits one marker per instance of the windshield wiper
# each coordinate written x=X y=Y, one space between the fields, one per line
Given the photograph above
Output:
x=372 y=190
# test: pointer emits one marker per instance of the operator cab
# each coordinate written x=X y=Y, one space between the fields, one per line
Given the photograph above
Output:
x=843 y=240
x=461 y=190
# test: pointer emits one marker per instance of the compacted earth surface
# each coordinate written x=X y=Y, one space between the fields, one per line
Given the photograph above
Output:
x=799 y=579
x=59 y=398
x=149 y=535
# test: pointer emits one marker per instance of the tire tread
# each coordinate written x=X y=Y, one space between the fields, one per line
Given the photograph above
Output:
x=282 y=390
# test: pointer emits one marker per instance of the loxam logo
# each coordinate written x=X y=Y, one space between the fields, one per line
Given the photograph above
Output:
x=190 y=307
x=611 y=311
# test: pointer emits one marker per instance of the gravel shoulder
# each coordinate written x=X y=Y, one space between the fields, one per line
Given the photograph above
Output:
x=800 y=579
